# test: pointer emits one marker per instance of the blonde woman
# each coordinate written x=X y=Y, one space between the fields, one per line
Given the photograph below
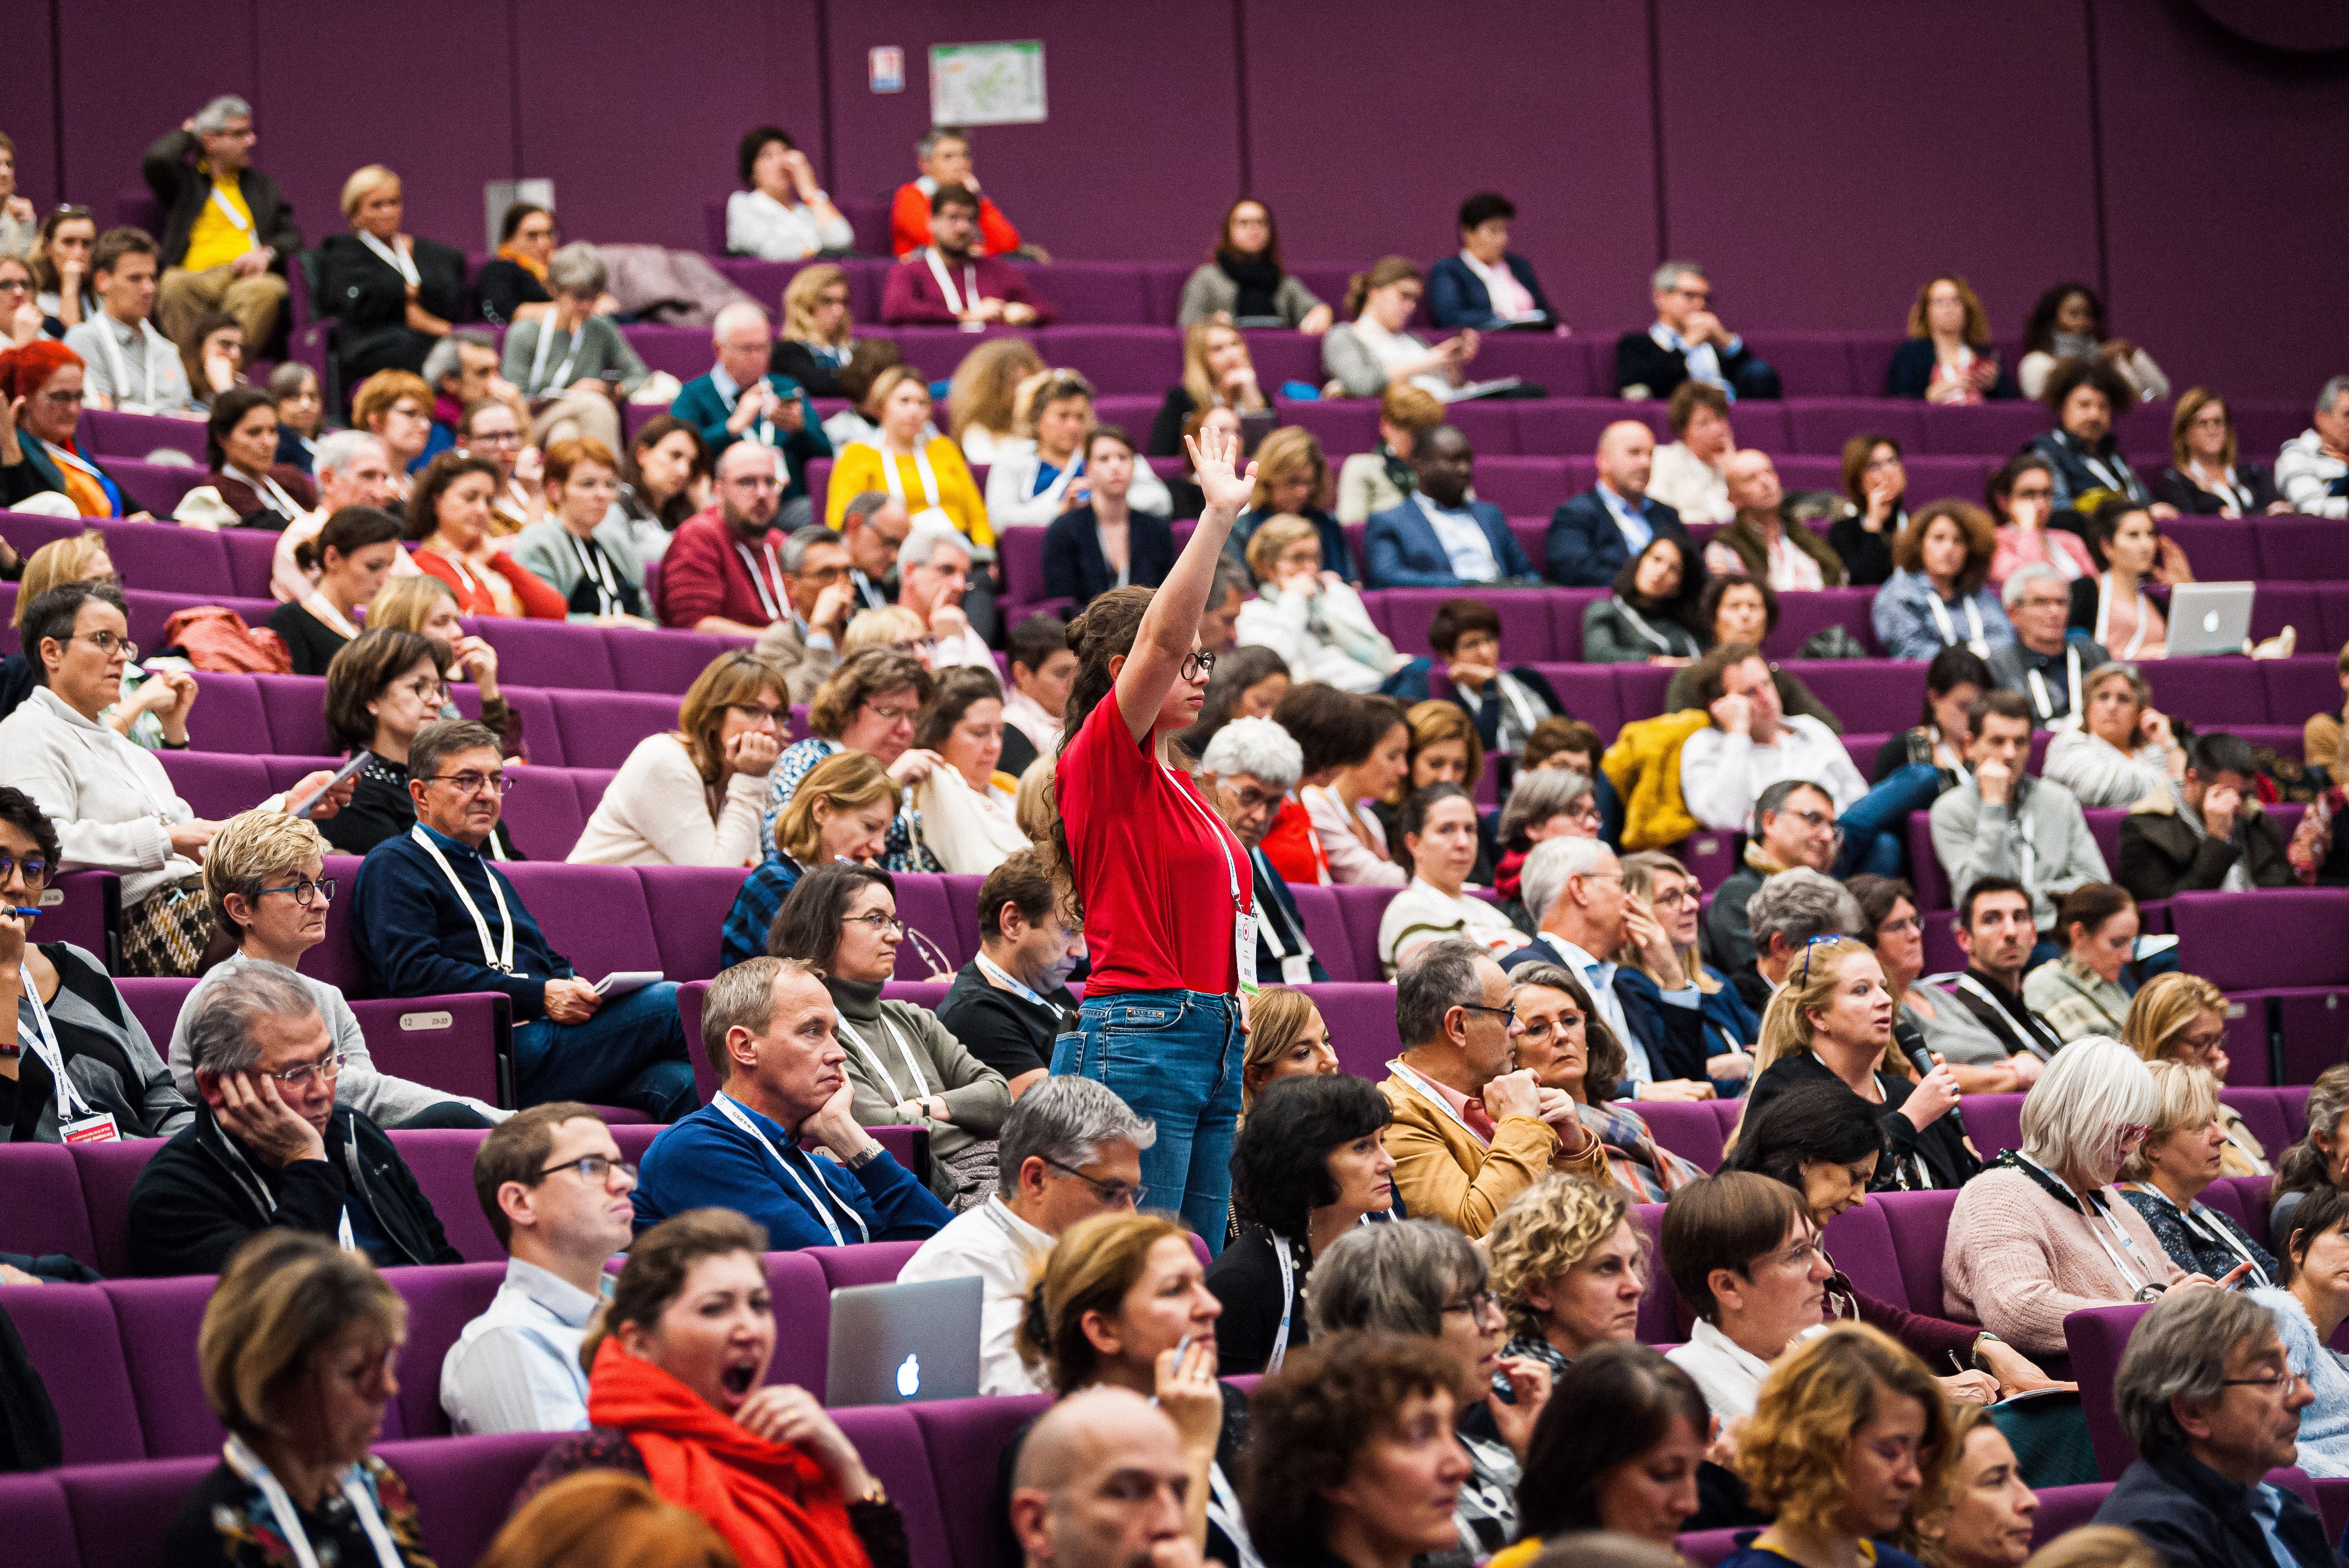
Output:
x=1216 y=371
x=2165 y=1177
x=1319 y=626
x=1374 y=482
x=924 y=471
x=1027 y=489
x=841 y=811
x=1286 y=1039
x=394 y=295
x=892 y=627
x=1672 y=894
x=1292 y=480
x=2183 y=1018
x=980 y=416
x=1569 y=1267
x=693 y=797
x=819 y=330
x=424 y=604
x=2205 y=480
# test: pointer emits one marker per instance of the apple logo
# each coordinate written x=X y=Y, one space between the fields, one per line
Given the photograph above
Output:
x=2210 y=620
x=909 y=1377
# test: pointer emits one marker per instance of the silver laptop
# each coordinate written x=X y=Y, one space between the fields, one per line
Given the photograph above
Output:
x=2209 y=618
x=897 y=1344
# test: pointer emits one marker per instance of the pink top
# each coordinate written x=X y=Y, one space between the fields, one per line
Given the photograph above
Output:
x=2066 y=552
x=2132 y=630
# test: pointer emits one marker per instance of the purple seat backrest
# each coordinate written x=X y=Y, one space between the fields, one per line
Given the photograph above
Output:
x=2251 y=1199
x=2333 y=1503
x=217 y=785
x=1690 y=1129
x=464 y=1487
x=2293 y=1098
x=2295 y=546
x=1361 y=1019
x=963 y=1437
x=1920 y=1224
x=1663 y=1316
x=668 y=661
x=229 y=717
x=922 y=993
x=891 y=1444
x=251 y=556
x=107 y=1172
x=599 y=729
x=442 y=1161
x=688 y=906
x=190 y=560
x=1933 y=884
x=46 y=1211
x=962 y=897
x=1022 y=550
x=2298 y=687
x=688 y=1012
x=2096 y=1337
x=445 y=1042
x=550 y=653
x=1363 y=909
x=803 y=1300
x=593 y=915
x=157 y=1321
x=156 y=1004
x=34 y=1520
x=1325 y=927
x=296 y=709
x=1994 y=1121
x=1703 y=1548
x=2062 y=1508
x=925 y=905
x=870 y=1263
x=2228 y=1200
x=120 y=1511
x=1860 y=1242
x=542 y=812
x=2263 y=1115
x=70 y=1335
x=1871 y=695
x=2303 y=936
x=334 y=960
x=81 y=908
x=441 y=1302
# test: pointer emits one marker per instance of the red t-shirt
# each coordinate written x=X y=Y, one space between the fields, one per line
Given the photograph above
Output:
x=1157 y=896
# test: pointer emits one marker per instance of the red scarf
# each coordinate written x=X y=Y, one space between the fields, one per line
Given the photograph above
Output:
x=1508 y=876
x=773 y=1504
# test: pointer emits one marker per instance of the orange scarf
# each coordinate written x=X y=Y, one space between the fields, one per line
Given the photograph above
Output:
x=773 y=1504
x=528 y=263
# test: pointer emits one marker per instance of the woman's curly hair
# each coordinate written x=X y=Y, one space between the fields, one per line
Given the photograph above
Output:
x=1794 y=1454
x=1547 y=1229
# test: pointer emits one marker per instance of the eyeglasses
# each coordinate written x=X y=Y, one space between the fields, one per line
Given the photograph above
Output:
x=893 y=715
x=303 y=1073
x=1253 y=799
x=15 y=285
x=1198 y=666
x=881 y=924
x=1584 y=810
x=1678 y=898
x=35 y=868
x=914 y=646
x=494 y=438
x=595 y=1167
x=106 y=643
x=2035 y=493
x=1116 y=1194
x=1482 y=1305
x=1814 y=941
x=1802 y=1254
x=2279 y=1383
x=2042 y=601
x=1813 y=820
x=755 y=712
x=304 y=892
x=63 y=400
x=425 y=690
x=471 y=783
x=1507 y=1016
x=824 y=575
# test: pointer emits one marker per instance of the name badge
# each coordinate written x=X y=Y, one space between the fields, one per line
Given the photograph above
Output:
x=1296 y=970
x=1244 y=951
x=99 y=1128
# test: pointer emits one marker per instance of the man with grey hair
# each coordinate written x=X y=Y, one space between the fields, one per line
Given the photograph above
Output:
x=1794 y=825
x=2210 y=1399
x=944 y=157
x=803 y=642
x=573 y=363
x=228 y=230
x=269 y=1145
x=1472 y=1129
x=1070 y=1149
x=1787 y=912
x=874 y=526
x=1688 y=343
x=1586 y=917
x=352 y=469
x=2047 y=658
x=741 y=399
x=1250 y=767
x=1103 y=1482
x=933 y=576
x=2311 y=472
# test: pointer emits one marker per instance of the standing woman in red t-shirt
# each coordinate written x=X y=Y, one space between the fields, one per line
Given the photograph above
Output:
x=1163 y=889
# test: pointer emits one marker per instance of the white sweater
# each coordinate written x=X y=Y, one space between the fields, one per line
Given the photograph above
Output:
x=110 y=800
x=1326 y=636
x=2101 y=774
x=1012 y=501
x=1722 y=774
x=655 y=812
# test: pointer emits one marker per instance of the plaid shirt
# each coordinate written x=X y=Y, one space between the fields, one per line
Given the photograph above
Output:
x=903 y=850
x=2075 y=1000
x=763 y=892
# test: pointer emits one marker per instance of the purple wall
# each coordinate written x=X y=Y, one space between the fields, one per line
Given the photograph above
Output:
x=1823 y=158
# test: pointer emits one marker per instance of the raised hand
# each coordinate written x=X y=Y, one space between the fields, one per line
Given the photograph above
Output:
x=1214 y=467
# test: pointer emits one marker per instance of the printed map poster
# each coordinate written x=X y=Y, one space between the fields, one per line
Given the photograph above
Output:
x=987 y=84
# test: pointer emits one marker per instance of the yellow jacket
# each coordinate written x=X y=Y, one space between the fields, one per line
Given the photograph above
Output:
x=1644 y=765
x=1444 y=1174
x=859 y=469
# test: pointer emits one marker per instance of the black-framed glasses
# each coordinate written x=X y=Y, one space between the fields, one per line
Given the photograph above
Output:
x=594 y=1166
x=879 y=923
x=2280 y=1382
x=106 y=643
x=36 y=869
x=1479 y=1306
x=304 y=892
x=1116 y=1194
x=471 y=783
x=1507 y=1016
x=1199 y=665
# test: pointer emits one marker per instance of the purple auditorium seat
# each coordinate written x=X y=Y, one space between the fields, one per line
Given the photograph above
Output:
x=2247 y=1036
x=803 y=1300
x=156 y=1004
x=542 y=812
x=1664 y=1318
x=108 y=1171
x=1490 y=427
x=2096 y=1338
x=1711 y=855
x=1994 y=1122
x=665 y=660
x=868 y=1264
x=1325 y=927
x=591 y=783
x=1283 y=357
x=296 y=710
x=2263 y=1116
x=34 y=1520
x=682 y=351
x=1094 y=293
x=464 y=1487
x=922 y=993
x=2299 y=687
x=1948 y=478
x=453 y=1043
x=925 y=905
x=112 y=433
x=158 y=1320
x=891 y=1446
x=1920 y=1224
x=1986 y=429
x=1869 y=695
x=1522 y=486
x=1801 y=615
x=2296 y=605
x=70 y=1335
x=549 y=653
x=217 y=785
x=1597 y=694
x=1022 y=553
x=1689 y=1129
x=1533 y=538
x=2294 y=548
x=1703 y=1548
x=962 y=896
x=1764 y=425
x=2105 y=827
x=1342 y=427
x=599 y=729
x=688 y=1012
x=1361 y=1020
x=252 y=555
x=2314 y=1022
x=334 y=960
x=1559 y=366
x=1941 y=952
x=1925 y=873
x=442 y=1299
x=688 y=906
x=1118 y=359
x=1363 y=909
x=2067 y=1508
x=228 y=716
x=2267 y=936
x=443 y=1160
x=165 y=557
x=121 y=1512
x=46 y=1211
x=155 y=487
x=1821 y=425
x=1525 y=618
x=593 y=915
x=961 y=1438
x=1860 y=1241
x=1570 y=427
x=2220 y=548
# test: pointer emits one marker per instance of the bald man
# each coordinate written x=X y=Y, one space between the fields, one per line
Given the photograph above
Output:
x=1593 y=535
x=1101 y=1483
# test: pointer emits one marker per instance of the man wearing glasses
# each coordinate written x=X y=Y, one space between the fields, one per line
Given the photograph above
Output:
x=555 y=1191
x=1070 y=1149
x=1688 y=343
x=803 y=642
x=270 y=1146
x=228 y=230
x=2047 y=660
x=433 y=916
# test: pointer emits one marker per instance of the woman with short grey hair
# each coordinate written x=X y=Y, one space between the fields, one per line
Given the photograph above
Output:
x=573 y=364
x=2123 y=749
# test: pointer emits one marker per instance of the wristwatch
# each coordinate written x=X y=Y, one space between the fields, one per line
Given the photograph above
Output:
x=1975 y=1356
x=864 y=1157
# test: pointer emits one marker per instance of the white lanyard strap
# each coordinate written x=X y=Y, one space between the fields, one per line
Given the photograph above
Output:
x=2197 y=1221
x=1223 y=842
x=1639 y=624
x=1975 y=639
x=945 y=280
x=769 y=599
x=499 y=956
x=236 y=220
x=873 y=1059
x=1224 y=1508
x=396 y=257
x=249 y=1466
x=71 y=460
x=2093 y=1209
x=320 y=608
x=2234 y=497
x=1288 y=1303
x=1968 y=982
x=71 y=1107
x=472 y=584
x=265 y=485
x=593 y=564
x=1067 y=474
x=735 y=1114
x=896 y=482
x=115 y=369
x=2046 y=705
x=2113 y=482
x=1420 y=1087
x=2105 y=617
x=570 y=357
x=1008 y=981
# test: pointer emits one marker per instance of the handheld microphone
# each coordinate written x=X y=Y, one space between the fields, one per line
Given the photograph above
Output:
x=1911 y=1045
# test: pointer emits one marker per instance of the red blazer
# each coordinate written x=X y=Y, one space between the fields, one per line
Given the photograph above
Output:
x=909 y=224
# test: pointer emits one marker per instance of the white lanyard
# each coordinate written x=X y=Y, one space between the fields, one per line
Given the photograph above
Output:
x=945 y=282
x=327 y=614
x=570 y=357
x=1639 y=624
x=1421 y=1085
x=762 y=433
x=1243 y=926
x=1968 y=982
x=497 y=956
x=769 y=601
x=2046 y=705
x=472 y=584
x=115 y=370
x=2104 y=616
x=1224 y=1508
x=236 y=220
x=71 y=1107
x=267 y=487
x=734 y=1113
x=258 y=1191
x=1008 y=981
x=1976 y=641
x=396 y=257
x=1061 y=480
x=2113 y=482
x=2206 y=1228
x=2093 y=1207
x=898 y=1096
x=2234 y=498
x=896 y=482
x=594 y=563
x=71 y=460
x=1288 y=1303
x=248 y=1465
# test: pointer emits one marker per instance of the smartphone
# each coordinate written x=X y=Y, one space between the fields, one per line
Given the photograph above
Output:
x=309 y=803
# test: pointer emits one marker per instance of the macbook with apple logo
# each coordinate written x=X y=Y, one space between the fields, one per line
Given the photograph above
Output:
x=2209 y=618
x=901 y=1344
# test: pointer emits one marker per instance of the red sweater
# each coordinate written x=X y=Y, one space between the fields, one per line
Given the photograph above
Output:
x=911 y=296
x=703 y=574
x=539 y=599
x=909 y=222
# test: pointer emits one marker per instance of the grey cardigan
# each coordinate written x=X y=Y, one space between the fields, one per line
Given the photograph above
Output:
x=1207 y=292
x=151 y=1103
x=603 y=355
x=1609 y=637
x=1351 y=362
x=543 y=549
x=1972 y=840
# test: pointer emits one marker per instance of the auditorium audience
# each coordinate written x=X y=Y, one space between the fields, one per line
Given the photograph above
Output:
x=1593 y=535
x=1674 y=897
x=909 y=459
x=130 y=365
x=512 y=287
x=2183 y=1018
x=450 y=519
x=1438 y=829
x=296 y=1352
x=677 y=1394
x=1113 y=536
x=1440 y=537
x=1650 y=617
x=803 y=642
x=1292 y=479
x=2309 y=1302
x=2081 y=992
x=1567 y=1047
x=1688 y=343
x=1940 y=594
x=2086 y=398
x=2113 y=606
x=1990 y=1513
x=350 y=468
x=1248 y=771
x=1357 y=752
x=2165 y=1178
x=60 y=258
x=84 y=559
x=1619 y=1449
x=396 y=408
x=740 y=398
x=2022 y=496
x=1471 y=1131
x=1953 y=680
x=571 y=363
x=382 y=689
x=841 y=811
x=782 y=212
x=1043 y=667
x=40 y=453
x=1736 y=608
x=1216 y=373
x=1983 y=1061
x=1690 y=474
x=1312 y=619
x=934 y=573
x=2003 y=822
x=1243 y=282
x=944 y=157
x=1010 y=1002
x=1794 y=830
x=1048 y=476
x=2204 y=478
x=722 y=571
x=1373 y=347
x=2209 y=1399
x=246 y=486
x=1761 y=539
x=2204 y=831
x=269 y=1147
x=2321 y=1157
x=490 y=429
x=2045 y=661
x=1310 y=1165
x=980 y=398
x=1370 y=483
x=2125 y=749
x=20 y=319
x=2066 y=325
x=693 y=795
x=819 y=332
x=2313 y=469
x=1875 y=484
x=355 y=552
x=1286 y=1039
x=1994 y=929
x=870 y=704
x=1744 y=1256
x=265 y=881
x=80 y=1063
x=1948 y=359
x=1568 y=1268
x=419 y=920
x=214 y=356
x=1751 y=744
x=582 y=549
x=395 y=295
x=1486 y=285
x=957 y=276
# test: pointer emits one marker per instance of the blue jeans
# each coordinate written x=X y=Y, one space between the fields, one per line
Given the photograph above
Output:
x=1875 y=827
x=631 y=1052
x=1175 y=1057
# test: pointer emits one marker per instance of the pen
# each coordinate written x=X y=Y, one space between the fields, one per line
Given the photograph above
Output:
x=24 y=911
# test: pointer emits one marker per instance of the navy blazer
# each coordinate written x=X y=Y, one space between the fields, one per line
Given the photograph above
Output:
x=1585 y=549
x=1404 y=552
x=1075 y=569
x=1912 y=368
x=1672 y=1036
x=1456 y=297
